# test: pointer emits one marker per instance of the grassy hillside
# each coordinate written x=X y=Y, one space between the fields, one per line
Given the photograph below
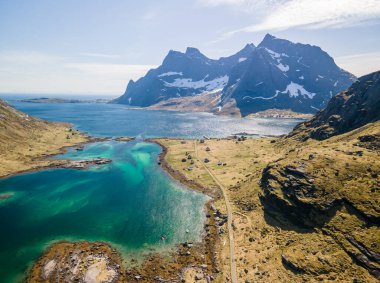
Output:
x=303 y=211
x=25 y=140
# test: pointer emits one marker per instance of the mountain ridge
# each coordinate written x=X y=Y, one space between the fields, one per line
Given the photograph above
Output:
x=276 y=74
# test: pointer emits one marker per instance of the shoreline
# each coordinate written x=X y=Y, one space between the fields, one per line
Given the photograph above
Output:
x=66 y=163
x=185 y=257
x=258 y=115
x=209 y=239
x=55 y=163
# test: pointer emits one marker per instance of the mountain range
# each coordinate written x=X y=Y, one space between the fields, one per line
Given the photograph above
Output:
x=276 y=74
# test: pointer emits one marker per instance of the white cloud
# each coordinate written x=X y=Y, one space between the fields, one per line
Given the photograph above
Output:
x=32 y=72
x=100 y=55
x=360 y=64
x=311 y=14
x=215 y=3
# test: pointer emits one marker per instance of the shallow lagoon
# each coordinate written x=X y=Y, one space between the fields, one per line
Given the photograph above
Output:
x=129 y=203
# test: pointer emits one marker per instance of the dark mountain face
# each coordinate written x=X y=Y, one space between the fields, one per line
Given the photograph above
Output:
x=285 y=75
x=350 y=109
x=277 y=74
x=182 y=74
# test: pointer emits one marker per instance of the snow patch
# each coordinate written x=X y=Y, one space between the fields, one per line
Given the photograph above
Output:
x=276 y=56
x=215 y=90
x=216 y=83
x=299 y=61
x=170 y=74
x=261 y=97
x=273 y=54
x=295 y=90
x=282 y=67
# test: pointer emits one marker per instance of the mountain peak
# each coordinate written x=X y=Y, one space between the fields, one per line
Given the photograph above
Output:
x=268 y=37
x=270 y=40
x=193 y=52
x=249 y=47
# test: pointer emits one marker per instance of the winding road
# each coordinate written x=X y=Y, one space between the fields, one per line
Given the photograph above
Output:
x=229 y=219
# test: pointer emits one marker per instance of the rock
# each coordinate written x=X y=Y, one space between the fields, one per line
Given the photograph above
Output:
x=289 y=264
x=198 y=277
x=346 y=111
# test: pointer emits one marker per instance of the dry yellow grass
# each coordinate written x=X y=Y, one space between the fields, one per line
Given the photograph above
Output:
x=25 y=141
x=262 y=242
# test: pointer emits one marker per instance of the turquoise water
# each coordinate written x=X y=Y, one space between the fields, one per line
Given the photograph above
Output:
x=130 y=203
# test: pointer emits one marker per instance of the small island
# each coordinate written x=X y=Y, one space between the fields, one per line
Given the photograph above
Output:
x=62 y=100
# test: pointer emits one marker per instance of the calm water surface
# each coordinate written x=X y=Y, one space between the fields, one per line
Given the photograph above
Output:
x=120 y=120
x=129 y=203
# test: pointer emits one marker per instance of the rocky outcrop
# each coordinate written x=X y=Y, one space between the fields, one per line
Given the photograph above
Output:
x=78 y=262
x=332 y=186
x=349 y=110
x=329 y=180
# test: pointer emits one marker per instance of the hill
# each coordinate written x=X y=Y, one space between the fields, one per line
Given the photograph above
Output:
x=25 y=140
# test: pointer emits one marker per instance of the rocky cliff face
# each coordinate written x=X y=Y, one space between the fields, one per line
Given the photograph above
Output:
x=333 y=185
x=346 y=111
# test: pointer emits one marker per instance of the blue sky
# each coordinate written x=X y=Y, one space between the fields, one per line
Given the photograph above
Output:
x=96 y=46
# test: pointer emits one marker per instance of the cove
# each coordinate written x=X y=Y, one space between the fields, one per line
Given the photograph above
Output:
x=129 y=203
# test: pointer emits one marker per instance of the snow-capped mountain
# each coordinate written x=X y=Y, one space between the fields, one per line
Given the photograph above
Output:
x=276 y=74
x=182 y=74
x=285 y=75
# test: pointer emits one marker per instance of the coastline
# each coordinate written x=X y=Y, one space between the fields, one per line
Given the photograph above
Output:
x=183 y=258
x=208 y=245
x=259 y=240
x=54 y=163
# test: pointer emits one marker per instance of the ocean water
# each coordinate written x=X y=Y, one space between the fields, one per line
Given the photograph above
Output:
x=129 y=203
x=120 y=120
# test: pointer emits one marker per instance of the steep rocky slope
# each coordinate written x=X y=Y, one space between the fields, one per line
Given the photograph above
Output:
x=346 y=111
x=333 y=185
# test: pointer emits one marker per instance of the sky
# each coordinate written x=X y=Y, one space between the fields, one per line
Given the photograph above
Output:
x=96 y=46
